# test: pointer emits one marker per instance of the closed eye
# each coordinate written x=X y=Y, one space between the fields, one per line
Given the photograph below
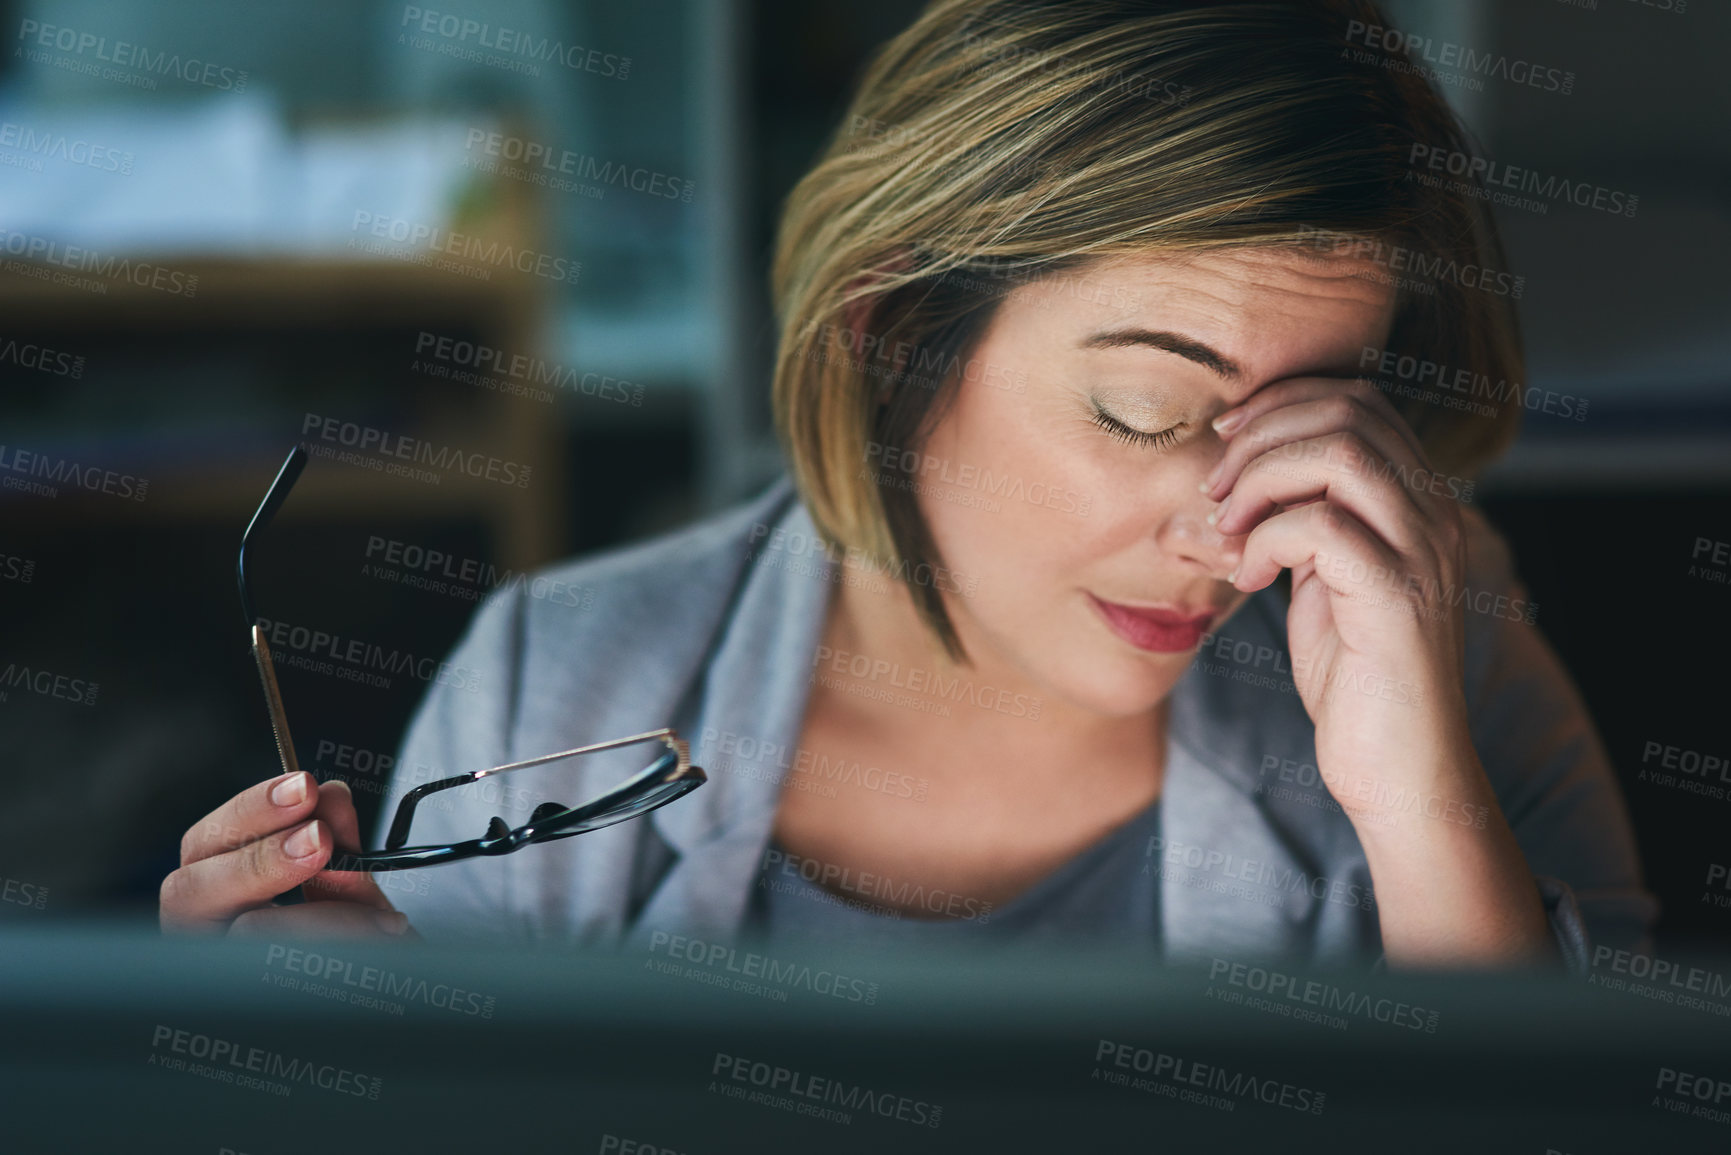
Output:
x=1160 y=439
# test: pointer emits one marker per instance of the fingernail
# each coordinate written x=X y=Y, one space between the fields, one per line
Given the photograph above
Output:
x=1205 y=484
x=304 y=842
x=1232 y=577
x=1219 y=511
x=393 y=921
x=1228 y=421
x=291 y=791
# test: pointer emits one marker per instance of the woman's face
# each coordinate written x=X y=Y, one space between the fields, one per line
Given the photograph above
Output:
x=1065 y=474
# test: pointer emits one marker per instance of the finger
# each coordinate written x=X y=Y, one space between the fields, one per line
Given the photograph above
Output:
x=1291 y=390
x=1340 y=468
x=207 y=894
x=269 y=807
x=1291 y=539
x=337 y=807
x=1337 y=411
x=319 y=919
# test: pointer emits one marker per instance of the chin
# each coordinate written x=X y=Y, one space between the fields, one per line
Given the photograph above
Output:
x=1117 y=685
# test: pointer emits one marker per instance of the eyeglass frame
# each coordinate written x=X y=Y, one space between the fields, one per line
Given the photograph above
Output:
x=668 y=778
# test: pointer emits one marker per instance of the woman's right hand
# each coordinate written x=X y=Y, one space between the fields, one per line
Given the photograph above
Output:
x=265 y=840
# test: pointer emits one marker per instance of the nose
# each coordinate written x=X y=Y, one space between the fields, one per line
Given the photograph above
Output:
x=1184 y=532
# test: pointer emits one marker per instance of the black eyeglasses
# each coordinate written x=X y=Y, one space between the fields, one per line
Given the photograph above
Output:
x=669 y=777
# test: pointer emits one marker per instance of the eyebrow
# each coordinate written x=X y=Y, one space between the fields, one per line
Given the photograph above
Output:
x=1183 y=346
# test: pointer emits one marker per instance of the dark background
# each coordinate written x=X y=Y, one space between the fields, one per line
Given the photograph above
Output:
x=204 y=396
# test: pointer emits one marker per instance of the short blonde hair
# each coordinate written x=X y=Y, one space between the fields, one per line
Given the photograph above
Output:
x=998 y=141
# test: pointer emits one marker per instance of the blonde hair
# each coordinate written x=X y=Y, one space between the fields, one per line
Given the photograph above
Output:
x=998 y=141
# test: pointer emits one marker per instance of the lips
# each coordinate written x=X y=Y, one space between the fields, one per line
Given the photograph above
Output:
x=1158 y=629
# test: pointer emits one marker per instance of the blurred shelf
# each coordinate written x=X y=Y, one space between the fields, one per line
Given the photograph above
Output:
x=274 y=291
x=219 y=472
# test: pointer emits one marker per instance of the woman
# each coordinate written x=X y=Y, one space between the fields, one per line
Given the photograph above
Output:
x=1107 y=600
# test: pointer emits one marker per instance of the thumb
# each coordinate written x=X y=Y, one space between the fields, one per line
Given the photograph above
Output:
x=337 y=807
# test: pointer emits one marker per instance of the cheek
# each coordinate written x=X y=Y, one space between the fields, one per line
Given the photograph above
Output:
x=1010 y=500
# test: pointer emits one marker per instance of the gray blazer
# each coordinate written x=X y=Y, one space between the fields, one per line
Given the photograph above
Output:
x=713 y=630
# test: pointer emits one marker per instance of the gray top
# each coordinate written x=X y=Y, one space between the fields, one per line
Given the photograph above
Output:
x=1106 y=893
x=713 y=630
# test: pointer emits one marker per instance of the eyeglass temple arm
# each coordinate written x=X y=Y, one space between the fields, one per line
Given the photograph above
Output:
x=398 y=836
x=273 y=499
x=285 y=747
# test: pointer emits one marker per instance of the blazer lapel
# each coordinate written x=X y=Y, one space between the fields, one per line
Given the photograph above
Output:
x=746 y=725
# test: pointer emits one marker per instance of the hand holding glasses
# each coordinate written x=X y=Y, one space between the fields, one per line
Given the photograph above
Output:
x=669 y=777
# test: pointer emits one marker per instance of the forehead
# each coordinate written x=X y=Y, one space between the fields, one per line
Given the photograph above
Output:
x=1275 y=311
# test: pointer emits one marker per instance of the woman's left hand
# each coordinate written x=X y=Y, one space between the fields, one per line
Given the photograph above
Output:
x=1323 y=477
